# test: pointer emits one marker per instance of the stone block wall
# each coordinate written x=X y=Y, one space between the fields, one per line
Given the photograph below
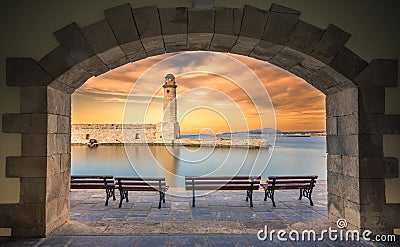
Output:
x=357 y=121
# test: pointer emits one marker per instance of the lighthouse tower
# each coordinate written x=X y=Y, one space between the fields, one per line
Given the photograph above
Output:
x=170 y=125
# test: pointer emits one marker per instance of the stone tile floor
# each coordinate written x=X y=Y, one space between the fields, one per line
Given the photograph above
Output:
x=221 y=218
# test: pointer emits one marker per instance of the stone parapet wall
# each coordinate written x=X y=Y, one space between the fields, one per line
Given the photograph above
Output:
x=116 y=133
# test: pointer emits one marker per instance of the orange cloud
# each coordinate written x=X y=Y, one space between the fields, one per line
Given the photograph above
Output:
x=297 y=105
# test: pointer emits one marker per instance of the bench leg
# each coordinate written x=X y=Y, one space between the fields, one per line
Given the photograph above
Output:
x=271 y=194
x=250 y=196
x=123 y=195
x=109 y=193
x=113 y=193
x=301 y=194
x=162 y=195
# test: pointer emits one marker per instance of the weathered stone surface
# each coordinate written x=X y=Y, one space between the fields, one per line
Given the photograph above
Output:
x=148 y=23
x=73 y=78
x=24 y=123
x=102 y=40
x=34 y=145
x=378 y=168
x=286 y=58
x=25 y=167
x=379 y=124
x=380 y=219
x=332 y=145
x=33 y=100
x=283 y=9
x=347 y=103
x=348 y=63
x=137 y=56
x=306 y=67
x=58 y=103
x=350 y=188
x=330 y=44
x=57 y=62
x=73 y=41
x=253 y=23
x=122 y=24
x=227 y=29
x=348 y=125
x=174 y=23
x=57 y=186
x=334 y=163
x=26 y=216
x=335 y=205
x=379 y=73
x=372 y=191
x=200 y=28
x=349 y=145
x=305 y=36
x=331 y=126
x=228 y=21
x=352 y=213
x=350 y=166
x=33 y=190
x=280 y=24
x=63 y=124
x=222 y=42
x=264 y=50
x=371 y=100
x=53 y=165
x=57 y=213
x=327 y=80
x=371 y=146
x=24 y=71
x=65 y=165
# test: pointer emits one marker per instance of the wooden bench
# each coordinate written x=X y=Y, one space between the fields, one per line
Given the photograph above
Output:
x=249 y=184
x=304 y=183
x=126 y=184
x=95 y=182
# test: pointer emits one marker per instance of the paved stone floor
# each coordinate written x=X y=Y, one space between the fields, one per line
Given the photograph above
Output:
x=221 y=218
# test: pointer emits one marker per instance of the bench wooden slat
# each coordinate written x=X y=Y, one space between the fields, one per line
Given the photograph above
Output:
x=222 y=182
x=92 y=176
x=293 y=177
x=141 y=178
x=227 y=178
x=226 y=187
x=294 y=181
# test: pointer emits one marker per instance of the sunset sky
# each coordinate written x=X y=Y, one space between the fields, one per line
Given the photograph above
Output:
x=215 y=91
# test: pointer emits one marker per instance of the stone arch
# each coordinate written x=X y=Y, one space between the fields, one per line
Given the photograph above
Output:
x=355 y=100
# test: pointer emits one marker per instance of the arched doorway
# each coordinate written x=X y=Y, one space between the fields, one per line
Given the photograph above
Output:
x=355 y=93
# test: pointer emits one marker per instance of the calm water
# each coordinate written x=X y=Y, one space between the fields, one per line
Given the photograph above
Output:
x=291 y=156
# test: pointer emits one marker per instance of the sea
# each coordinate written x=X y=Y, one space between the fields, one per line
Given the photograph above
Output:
x=285 y=156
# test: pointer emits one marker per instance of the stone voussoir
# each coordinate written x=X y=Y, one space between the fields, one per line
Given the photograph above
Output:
x=103 y=42
x=174 y=23
x=200 y=28
x=147 y=21
x=348 y=63
x=305 y=37
x=251 y=31
x=379 y=73
x=25 y=72
x=124 y=28
x=330 y=44
x=72 y=40
x=280 y=24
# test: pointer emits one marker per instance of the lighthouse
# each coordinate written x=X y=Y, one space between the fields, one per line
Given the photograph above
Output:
x=170 y=125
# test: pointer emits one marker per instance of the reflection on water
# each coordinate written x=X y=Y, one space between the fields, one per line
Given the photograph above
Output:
x=291 y=156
